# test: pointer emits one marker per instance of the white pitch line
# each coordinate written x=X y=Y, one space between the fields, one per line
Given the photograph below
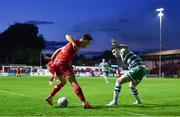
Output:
x=133 y=113
x=17 y=94
x=23 y=95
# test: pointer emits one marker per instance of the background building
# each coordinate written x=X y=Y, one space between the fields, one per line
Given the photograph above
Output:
x=170 y=62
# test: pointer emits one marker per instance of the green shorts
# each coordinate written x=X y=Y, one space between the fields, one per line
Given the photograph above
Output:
x=105 y=73
x=137 y=73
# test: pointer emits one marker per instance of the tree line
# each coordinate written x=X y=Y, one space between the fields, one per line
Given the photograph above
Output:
x=21 y=43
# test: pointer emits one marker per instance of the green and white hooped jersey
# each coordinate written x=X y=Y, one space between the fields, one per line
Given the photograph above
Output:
x=130 y=59
x=104 y=66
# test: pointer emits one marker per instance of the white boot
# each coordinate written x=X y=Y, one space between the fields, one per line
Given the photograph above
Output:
x=112 y=103
x=137 y=102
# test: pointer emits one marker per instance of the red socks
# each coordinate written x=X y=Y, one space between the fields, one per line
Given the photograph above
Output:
x=56 y=89
x=76 y=88
x=78 y=91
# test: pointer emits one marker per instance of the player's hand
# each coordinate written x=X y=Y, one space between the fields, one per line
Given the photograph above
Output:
x=113 y=42
x=51 y=83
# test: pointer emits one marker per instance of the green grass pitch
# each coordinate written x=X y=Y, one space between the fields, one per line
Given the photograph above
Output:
x=25 y=97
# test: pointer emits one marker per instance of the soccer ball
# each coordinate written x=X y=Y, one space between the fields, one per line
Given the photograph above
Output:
x=62 y=102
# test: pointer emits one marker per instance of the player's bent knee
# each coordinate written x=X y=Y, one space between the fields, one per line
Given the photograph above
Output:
x=119 y=80
x=131 y=86
x=71 y=79
x=64 y=82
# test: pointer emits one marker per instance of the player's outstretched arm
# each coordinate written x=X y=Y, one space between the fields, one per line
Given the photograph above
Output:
x=71 y=39
x=55 y=53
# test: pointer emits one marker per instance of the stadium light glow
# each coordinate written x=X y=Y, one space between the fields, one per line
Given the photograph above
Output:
x=160 y=14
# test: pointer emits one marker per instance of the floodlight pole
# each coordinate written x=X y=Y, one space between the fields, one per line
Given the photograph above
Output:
x=160 y=14
x=40 y=59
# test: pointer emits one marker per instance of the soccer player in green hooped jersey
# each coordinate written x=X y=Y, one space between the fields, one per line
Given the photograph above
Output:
x=137 y=70
x=104 y=67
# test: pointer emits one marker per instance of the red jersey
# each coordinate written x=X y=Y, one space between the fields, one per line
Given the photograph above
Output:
x=18 y=70
x=68 y=53
x=51 y=67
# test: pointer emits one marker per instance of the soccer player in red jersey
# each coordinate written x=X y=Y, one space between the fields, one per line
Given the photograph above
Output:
x=63 y=59
x=18 y=72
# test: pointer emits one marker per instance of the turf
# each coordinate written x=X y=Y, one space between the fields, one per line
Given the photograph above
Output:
x=25 y=97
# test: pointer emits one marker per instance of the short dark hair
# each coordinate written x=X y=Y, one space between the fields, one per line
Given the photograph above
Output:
x=87 y=36
x=115 y=47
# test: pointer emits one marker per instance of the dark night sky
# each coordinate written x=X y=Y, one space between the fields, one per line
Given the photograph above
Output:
x=133 y=22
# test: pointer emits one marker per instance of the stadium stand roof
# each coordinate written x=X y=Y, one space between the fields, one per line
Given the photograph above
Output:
x=164 y=52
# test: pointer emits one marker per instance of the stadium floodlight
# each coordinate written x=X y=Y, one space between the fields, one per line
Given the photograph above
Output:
x=160 y=9
x=160 y=14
